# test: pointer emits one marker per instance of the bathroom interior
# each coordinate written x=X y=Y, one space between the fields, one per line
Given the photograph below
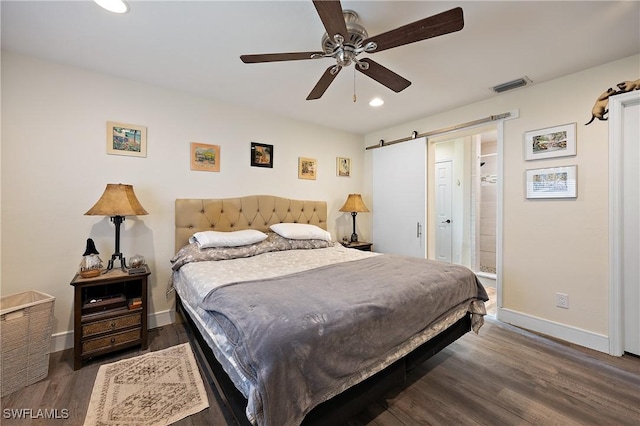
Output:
x=473 y=197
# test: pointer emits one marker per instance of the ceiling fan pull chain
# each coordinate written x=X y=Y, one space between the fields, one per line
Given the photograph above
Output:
x=354 y=84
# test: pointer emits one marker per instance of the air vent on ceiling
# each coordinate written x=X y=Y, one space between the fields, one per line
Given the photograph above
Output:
x=513 y=84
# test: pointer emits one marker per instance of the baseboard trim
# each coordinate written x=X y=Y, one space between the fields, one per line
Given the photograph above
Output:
x=61 y=341
x=588 y=339
x=64 y=340
x=160 y=319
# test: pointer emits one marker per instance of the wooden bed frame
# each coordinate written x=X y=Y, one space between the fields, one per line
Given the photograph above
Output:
x=259 y=212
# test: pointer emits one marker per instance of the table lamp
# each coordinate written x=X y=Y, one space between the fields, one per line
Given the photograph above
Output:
x=354 y=204
x=117 y=201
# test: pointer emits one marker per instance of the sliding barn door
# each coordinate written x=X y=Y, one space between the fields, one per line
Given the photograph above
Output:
x=399 y=198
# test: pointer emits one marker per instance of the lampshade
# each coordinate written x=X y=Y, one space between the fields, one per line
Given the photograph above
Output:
x=354 y=203
x=117 y=200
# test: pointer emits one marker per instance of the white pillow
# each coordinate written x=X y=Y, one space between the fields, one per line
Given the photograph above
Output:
x=211 y=239
x=300 y=231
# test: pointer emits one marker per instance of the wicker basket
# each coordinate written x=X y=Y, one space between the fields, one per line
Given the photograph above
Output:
x=25 y=323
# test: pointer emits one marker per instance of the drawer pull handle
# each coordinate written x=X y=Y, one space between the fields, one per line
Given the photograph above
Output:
x=113 y=324
x=113 y=340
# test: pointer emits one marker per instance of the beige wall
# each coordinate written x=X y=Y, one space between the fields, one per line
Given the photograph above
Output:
x=55 y=167
x=549 y=246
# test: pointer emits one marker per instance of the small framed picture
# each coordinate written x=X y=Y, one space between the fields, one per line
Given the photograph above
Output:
x=307 y=168
x=126 y=139
x=261 y=155
x=343 y=167
x=553 y=182
x=204 y=157
x=559 y=141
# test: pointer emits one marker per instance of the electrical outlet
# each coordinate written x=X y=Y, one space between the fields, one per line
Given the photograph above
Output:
x=562 y=300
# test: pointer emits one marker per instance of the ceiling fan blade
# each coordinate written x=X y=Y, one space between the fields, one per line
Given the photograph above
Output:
x=323 y=83
x=275 y=57
x=433 y=26
x=332 y=18
x=384 y=76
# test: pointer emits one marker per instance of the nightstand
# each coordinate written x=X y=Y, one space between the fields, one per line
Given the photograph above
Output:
x=110 y=313
x=358 y=245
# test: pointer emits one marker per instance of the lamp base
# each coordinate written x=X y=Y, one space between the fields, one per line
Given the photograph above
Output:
x=117 y=221
x=123 y=262
x=354 y=236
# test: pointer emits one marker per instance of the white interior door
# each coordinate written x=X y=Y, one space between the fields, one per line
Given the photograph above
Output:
x=631 y=227
x=443 y=184
x=399 y=198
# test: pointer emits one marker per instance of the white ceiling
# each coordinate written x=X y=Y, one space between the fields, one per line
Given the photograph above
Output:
x=195 y=47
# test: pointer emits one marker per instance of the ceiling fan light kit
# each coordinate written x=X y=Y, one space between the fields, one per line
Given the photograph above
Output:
x=345 y=39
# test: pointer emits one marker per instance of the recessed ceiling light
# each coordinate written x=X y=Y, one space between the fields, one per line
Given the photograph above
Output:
x=115 y=6
x=376 y=102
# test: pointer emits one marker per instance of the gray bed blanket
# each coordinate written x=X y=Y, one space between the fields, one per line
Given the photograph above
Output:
x=303 y=337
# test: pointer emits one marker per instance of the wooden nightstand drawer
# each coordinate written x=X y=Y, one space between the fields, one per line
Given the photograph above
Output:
x=110 y=341
x=111 y=324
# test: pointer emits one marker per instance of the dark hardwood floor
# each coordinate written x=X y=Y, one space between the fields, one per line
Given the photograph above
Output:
x=503 y=376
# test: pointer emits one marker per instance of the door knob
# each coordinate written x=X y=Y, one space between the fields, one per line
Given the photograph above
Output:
x=447 y=221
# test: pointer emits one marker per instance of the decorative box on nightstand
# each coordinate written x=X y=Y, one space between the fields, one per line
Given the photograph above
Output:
x=110 y=313
x=358 y=245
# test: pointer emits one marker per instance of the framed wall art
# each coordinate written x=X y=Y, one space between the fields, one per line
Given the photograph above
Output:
x=343 y=167
x=553 y=182
x=204 y=157
x=126 y=139
x=261 y=155
x=307 y=168
x=559 y=141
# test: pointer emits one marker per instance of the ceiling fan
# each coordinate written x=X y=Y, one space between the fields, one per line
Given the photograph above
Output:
x=345 y=39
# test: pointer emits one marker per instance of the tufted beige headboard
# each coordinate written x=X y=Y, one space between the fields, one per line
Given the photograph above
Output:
x=250 y=212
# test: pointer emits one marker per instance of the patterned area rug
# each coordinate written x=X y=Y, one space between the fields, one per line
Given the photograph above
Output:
x=157 y=388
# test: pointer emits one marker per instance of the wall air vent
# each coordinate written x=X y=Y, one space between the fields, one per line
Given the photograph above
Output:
x=510 y=85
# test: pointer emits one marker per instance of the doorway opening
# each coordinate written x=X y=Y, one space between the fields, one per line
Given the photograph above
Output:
x=463 y=200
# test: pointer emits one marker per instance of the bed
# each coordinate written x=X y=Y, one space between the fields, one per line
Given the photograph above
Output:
x=292 y=328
